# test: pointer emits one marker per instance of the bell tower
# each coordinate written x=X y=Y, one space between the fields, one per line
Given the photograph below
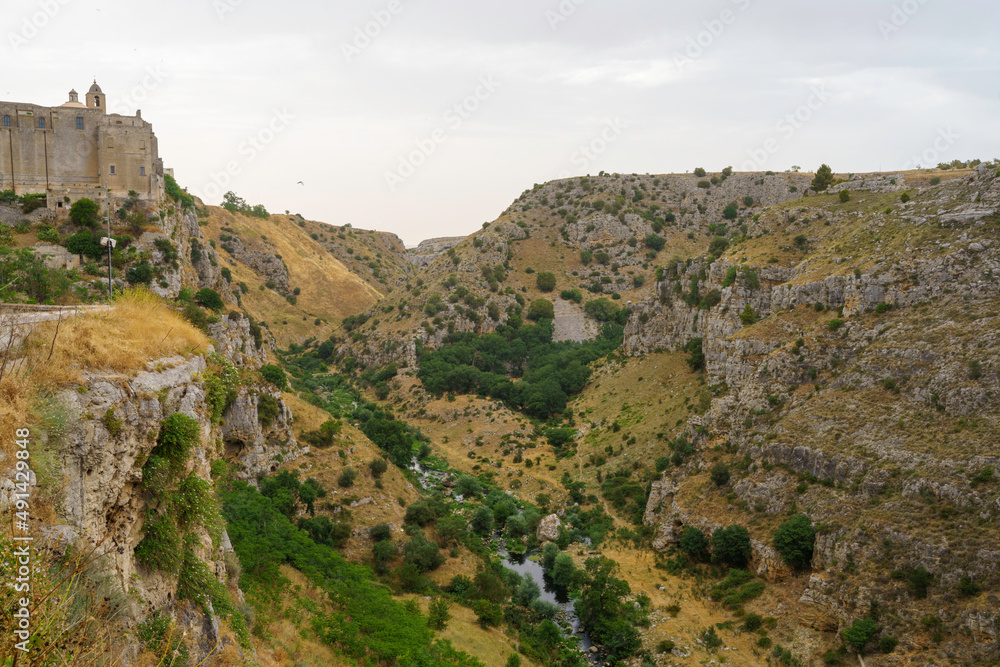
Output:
x=96 y=98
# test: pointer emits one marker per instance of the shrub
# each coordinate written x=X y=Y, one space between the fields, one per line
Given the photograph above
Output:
x=835 y=324
x=731 y=545
x=730 y=212
x=140 y=274
x=540 y=309
x=178 y=434
x=845 y=196
x=859 y=633
x=586 y=257
x=209 y=298
x=749 y=316
x=712 y=298
x=967 y=587
x=378 y=467
x=919 y=580
x=696 y=354
x=275 y=375
x=546 y=281
x=975 y=370
x=347 y=477
x=801 y=241
x=573 y=295
x=905 y=197
x=694 y=543
x=85 y=212
x=268 y=409
x=655 y=242
x=720 y=474
x=887 y=644
x=111 y=422
x=699 y=172
x=48 y=234
x=794 y=540
x=935 y=180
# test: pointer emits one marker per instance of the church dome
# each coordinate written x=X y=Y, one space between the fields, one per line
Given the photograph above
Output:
x=96 y=89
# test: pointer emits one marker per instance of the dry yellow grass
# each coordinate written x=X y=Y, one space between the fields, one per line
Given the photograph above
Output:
x=139 y=328
x=329 y=291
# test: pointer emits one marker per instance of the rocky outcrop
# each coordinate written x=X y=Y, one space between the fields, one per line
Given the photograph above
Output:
x=548 y=529
x=234 y=340
x=427 y=251
x=259 y=448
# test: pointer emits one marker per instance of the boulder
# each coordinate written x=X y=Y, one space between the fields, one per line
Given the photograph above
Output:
x=548 y=528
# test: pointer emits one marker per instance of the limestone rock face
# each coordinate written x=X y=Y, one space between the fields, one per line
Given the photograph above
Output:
x=548 y=529
x=259 y=448
x=234 y=341
x=427 y=251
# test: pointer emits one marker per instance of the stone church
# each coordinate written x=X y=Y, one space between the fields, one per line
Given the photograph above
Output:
x=77 y=149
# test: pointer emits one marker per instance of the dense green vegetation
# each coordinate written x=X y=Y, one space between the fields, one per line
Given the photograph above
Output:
x=550 y=372
x=366 y=623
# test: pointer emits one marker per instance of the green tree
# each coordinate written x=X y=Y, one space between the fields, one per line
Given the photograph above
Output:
x=694 y=543
x=85 y=212
x=696 y=355
x=603 y=610
x=482 y=520
x=209 y=298
x=438 y=614
x=382 y=554
x=720 y=474
x=540 y=309
x=655 y=242
x=563 y=570
x=730 y=212
x=823 y=179
x=860 y=633
x=275 y=375
x=546 y=281
x=794 y=540
x=731 y=546
x=378 y=467
x=749 y=316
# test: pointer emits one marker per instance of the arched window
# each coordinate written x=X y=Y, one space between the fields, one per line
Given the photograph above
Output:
x=97 y=101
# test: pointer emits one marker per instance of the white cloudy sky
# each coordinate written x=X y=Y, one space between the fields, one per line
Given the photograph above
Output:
x=890 y=83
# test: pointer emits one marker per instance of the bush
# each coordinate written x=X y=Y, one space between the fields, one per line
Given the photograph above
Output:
x=347 y=477
x=845 y=196
x=546 y=281
x=275 y=375
x=887 y=644
x=967 y=587
x=712 y=298
x=696 y=355
x=720 y=474
x=919 y=580
x=540 y=309
x=731 y=546
x=655 y=242
x=905 y=197
x=730 y=212
x=378 y=467
x=573 y=295
x=859 y=633
x=700 y=172
x=835 y=324
x=794 y=540
x=209 y=298
x=975 y=370
x=749 y=316
x=694 y=543
x=935 y=180
x=140 y=274
x=268 y=409
x=85 y=212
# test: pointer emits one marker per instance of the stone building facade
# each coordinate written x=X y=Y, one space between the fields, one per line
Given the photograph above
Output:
x=74 y=150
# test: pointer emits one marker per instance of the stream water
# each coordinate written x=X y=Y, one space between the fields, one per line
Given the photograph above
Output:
x=526 y=567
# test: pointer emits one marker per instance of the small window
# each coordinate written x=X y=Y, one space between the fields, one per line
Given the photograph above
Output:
x=112 y=170
x=79 y=122
x=41 y=123
x=6 y=121
x=142 y=171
